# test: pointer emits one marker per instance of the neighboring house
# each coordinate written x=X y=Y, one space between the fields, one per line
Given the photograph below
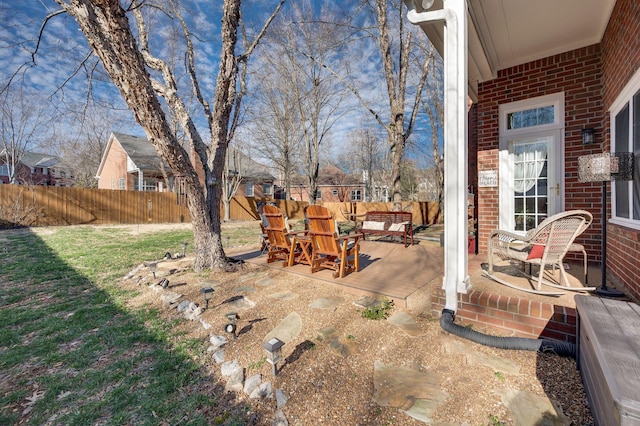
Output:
x=541 y=75
x=131 y=163
x=334 y=185
x=37 y=169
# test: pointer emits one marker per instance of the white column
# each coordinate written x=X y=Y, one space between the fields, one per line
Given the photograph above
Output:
x=454 y=14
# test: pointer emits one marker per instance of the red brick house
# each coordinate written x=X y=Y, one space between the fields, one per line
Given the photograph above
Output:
x=131 y=163
x=539 y=74
x=35 y=168
x=334 y=185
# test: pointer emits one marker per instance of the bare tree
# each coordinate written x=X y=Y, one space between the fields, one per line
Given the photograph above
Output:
x=23 y=120
x=306 y=40
x=365 y=152
x=276 y=126
x=145 y=81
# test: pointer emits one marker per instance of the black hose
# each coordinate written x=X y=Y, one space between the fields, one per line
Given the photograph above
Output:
x=517 y=343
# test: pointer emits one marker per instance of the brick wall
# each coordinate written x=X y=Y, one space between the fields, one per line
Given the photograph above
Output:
x=620 y=60
x=511 y=316
x=576 y=73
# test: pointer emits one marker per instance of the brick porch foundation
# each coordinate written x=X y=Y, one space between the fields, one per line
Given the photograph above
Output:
x=511 y=316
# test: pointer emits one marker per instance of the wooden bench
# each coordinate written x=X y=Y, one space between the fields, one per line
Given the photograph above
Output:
x=387 y=224
x=609 y=358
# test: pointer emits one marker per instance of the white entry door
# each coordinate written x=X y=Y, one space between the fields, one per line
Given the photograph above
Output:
x=531 y=163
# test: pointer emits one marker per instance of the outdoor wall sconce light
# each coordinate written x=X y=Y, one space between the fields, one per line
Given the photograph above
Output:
x=274 y=352
x=231 y=326
x=588 y=136
x=207 y=293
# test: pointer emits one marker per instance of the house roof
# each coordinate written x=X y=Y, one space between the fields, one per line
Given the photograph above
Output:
x=145 y=157
x=37 y=159
x=141 y=152
x=506 y=33
x=248 y=168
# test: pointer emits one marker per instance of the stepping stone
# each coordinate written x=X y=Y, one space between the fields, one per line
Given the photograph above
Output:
x=241 y=303
x=169 y=298
x=285 y=295
x=210 y=283
x=528 y=409
x=332 y=338
x=265 y=282
x=244 y=289
x=325 y=303
x=367 y=302
x=262 y=391
x=398 y=386
x=280 y=419
x=247 y=277
x=281 y=399
x=288 y=329
x=406 y=323
x=496 y=363
x=422 y=409
x=218 y=357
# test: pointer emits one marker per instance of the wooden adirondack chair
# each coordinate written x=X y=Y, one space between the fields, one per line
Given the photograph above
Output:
x=280 y=245
x=329 y=250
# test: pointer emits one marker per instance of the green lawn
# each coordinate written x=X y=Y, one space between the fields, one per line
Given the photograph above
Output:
x=72 y=353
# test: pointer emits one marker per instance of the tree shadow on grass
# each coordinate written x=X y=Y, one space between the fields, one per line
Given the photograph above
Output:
x=71 y=353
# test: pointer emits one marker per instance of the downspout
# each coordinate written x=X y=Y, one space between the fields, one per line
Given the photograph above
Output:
x=456 y=277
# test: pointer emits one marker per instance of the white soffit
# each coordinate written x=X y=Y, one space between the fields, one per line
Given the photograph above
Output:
x=515 y=32
x=505 y=33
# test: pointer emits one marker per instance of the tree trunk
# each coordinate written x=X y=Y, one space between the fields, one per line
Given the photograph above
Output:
x=108 y=32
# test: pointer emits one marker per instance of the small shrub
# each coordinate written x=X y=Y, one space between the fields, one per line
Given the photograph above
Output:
x=378 y=311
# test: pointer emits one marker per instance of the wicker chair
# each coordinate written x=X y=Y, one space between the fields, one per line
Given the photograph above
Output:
x=545 y=245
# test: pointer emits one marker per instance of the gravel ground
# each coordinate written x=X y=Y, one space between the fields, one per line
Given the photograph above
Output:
x=327 y=374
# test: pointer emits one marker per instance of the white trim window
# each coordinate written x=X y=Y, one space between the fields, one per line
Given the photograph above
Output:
x=248 y=191
x=267 y=189
x=625 y=137
x=4 y=170
x=356 y=195
x=121 y=184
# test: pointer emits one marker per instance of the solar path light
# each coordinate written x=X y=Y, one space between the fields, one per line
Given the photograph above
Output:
x=207 y=293
x=274 y=352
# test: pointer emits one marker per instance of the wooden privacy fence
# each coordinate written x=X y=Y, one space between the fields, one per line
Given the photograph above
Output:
x=50 y=206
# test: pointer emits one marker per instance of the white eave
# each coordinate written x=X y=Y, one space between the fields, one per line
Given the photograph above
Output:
x=506 y=33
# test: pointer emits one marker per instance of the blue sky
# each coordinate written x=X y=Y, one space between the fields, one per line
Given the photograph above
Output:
x=63 y=47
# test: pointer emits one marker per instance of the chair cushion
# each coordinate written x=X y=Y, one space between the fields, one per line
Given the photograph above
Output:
x=376 y=226
x=397 y=226
x=536 y=252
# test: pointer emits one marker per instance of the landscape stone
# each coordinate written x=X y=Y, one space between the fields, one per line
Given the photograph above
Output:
x=241 y=303
x=494 y=362
x=205 y=324
x=280 y=419
x=262 y=391
x=235 y=380
x=229 y=368
x=338 y=345
x=367 y=302
x=218 y=356
x=169 y=297
x=406 y=323
x=528 y=409
x=216 y=342
x=398 y=386
x=265 y=282
x=183 y=305
x=288 y=329
x=215 y=284
x=247 y=277
x=325 y=303
x=281 y=398
x=252 y=383
x=244 y=289
x=285 y=295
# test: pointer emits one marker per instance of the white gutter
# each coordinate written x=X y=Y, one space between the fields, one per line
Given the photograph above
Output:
x=454 y=14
